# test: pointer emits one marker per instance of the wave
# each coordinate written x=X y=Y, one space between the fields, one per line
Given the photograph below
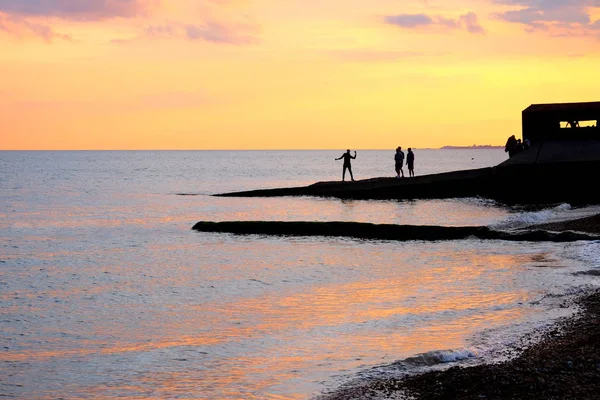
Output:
x=528 y=218
x=439 y=357
x=353 y=388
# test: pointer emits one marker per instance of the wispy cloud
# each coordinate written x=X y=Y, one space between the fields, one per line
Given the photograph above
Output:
x=209 y=31
x=24 y=18
x=20 y=28
x=90 y=10
x=36 y=18
x=367 y=55
x=468 y=21
x=218 y=33
x=556 y=16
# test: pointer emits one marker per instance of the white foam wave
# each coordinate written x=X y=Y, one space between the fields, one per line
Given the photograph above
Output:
x=433 y=360
x=440 y=357
x=519 y=220
x=586 y=253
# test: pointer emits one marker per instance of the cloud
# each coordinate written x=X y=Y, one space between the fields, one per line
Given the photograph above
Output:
x=23 y=18
x=368 y=55
x=470 y=22
x=21 y=28
x=466 y=21
x=29 y=18
x=87 y=10
x=210 y=31
x=558 y=16
x=216 y=33
x=409 y=20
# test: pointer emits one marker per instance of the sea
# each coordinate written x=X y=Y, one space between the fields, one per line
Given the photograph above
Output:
x=107 y=292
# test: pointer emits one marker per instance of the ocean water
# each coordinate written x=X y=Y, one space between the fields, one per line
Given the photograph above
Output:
x=106 y=291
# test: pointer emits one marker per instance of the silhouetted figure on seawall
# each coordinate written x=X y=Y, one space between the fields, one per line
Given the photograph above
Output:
x=519 y=147
x=410 y=162
x=347 y=165
x=399 y=159
x=511 y=145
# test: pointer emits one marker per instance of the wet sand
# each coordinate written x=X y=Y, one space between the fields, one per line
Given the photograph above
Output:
x=565 y=364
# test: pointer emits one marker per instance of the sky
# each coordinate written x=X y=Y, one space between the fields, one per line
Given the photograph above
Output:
x=287 y=74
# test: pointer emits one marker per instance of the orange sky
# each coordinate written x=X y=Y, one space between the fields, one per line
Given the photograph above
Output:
x=294 y=74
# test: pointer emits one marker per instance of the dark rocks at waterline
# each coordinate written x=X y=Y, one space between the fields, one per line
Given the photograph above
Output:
x=358 y=230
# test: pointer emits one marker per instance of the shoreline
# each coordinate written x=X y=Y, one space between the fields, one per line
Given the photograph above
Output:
x=564 y=364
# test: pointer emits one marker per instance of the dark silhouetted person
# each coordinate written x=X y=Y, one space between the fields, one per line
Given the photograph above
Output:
x=399 y=158
x=347 y=166
x=519 y=146
x=573 y=124
x=526 y=143
x=511 y=145
x=410 y=162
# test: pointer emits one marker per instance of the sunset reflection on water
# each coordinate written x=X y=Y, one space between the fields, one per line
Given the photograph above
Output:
x=293 y=312
x=107 y=292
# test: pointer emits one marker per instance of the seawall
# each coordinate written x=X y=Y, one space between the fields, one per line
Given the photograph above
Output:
x=553 y=172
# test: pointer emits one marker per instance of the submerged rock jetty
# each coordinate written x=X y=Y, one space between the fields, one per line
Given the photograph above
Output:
x=359 y=230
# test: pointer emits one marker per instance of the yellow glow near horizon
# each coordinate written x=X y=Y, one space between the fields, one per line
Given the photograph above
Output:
x=262 y=74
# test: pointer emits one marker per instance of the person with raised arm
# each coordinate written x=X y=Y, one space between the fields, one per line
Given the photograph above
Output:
x=347 y=165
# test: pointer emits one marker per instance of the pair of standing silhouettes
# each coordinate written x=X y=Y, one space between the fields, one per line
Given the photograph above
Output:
x=410 y=162
x=399 y=157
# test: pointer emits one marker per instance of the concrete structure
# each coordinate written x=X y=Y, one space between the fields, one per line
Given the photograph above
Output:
x=561 y=121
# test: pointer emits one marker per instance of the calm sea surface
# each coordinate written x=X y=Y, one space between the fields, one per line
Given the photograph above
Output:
x=106 y=292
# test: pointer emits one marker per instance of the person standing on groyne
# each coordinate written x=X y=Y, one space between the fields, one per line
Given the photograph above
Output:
x=347 y=166
x=410 y=162
x=399 y=158
x=511 y=146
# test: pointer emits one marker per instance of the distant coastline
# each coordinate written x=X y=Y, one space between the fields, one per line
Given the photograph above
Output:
x=475 y=146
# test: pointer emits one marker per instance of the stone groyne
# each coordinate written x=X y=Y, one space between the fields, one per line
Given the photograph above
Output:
x=358 y=230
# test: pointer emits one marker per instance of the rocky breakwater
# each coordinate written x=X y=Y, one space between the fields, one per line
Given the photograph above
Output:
x=359 y=230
